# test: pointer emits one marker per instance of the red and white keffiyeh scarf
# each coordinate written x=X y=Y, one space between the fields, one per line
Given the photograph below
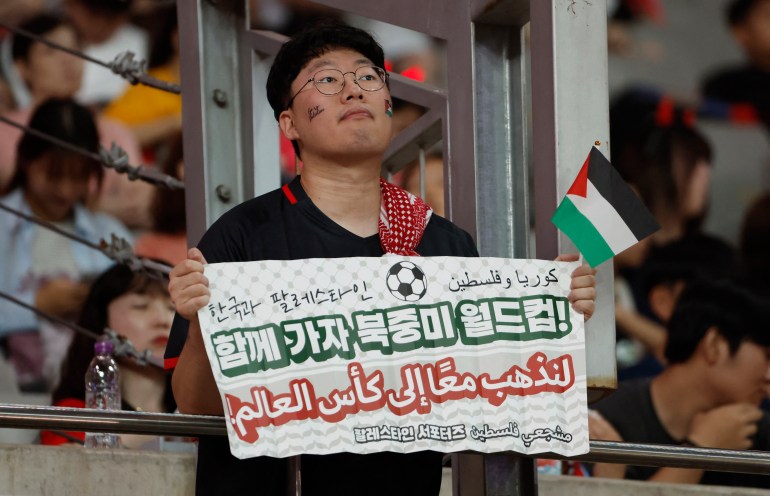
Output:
x=403 y=218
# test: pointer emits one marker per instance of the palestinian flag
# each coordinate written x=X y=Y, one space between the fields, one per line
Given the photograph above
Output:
x=600 y=213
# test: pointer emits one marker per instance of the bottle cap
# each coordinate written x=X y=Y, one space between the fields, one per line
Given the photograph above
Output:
x=103 y=347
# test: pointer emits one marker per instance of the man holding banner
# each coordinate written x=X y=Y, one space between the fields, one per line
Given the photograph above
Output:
x=330 y=96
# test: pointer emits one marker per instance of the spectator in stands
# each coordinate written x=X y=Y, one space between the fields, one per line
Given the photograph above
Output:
x=667 y=161
x=657 y=149
x=105 y=30
x=748 y=83
x=137 y=307
x=167 y=240
x=41 y=267
x=46 y=72
x=330 y=97
x=718 y=372
x=624 y=17
x=154 y=115
x=51 y=73
x=666 y=272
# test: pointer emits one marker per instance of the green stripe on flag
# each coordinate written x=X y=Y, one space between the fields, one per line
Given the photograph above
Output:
x=580 y=230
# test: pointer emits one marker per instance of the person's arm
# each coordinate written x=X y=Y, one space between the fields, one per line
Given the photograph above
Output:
x=726 y=427
x=193 y=382
x=599 y=428
x=61 y=297
x=651 y=334
x=157 y=130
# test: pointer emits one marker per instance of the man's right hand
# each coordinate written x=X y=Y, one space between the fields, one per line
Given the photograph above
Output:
x=726 y=427
x=187 y=285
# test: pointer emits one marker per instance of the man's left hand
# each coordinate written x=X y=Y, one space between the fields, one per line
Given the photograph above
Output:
x=582 y=293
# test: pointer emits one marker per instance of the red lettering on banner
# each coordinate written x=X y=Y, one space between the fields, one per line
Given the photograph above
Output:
x=422 y=385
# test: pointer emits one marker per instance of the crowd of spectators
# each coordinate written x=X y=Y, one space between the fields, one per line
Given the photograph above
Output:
x=692 y=333
x=66 y=97
x=678 y=273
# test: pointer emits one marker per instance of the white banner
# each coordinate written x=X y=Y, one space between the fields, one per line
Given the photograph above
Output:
x=397 y=354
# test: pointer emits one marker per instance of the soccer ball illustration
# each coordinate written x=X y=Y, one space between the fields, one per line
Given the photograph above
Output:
x=406 y=281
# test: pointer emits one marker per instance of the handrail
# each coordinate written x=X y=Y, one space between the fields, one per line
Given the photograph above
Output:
x=83 y=419
x=659 y=455
x=121 y=421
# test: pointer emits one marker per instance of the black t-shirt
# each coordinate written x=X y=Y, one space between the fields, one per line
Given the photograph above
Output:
x=286 y=225
x=631 y=411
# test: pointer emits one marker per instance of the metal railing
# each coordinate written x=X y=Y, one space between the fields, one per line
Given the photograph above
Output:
x=83 y=419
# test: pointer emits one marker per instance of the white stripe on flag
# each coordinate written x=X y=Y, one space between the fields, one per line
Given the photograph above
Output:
x=605 y=219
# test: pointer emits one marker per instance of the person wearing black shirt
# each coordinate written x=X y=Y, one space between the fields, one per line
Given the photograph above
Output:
x=709 y=395
x=331 y=99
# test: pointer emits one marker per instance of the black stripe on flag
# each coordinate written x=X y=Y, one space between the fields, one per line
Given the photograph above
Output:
x=614 y=189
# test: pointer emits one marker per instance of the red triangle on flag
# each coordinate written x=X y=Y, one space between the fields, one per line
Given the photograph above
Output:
x=580 y=186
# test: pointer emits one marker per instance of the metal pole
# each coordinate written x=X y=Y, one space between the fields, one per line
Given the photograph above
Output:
x=84 y=419
x=570 y=113
x=655 y=455
x=211 y=62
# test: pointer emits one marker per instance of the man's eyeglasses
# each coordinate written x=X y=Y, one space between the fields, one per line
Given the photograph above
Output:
x=331 y=81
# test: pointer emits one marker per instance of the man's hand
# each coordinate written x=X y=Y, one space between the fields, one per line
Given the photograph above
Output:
x=193 y=383
x=187 y=285
x=599 y=428
x=726 y=427
x=582 y=293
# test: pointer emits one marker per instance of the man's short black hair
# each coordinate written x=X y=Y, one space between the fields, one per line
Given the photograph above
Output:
x=39 y=25
x=740 y=10
x=736 y=312
x=309 y=44
x=67 y=121
x=694 y=256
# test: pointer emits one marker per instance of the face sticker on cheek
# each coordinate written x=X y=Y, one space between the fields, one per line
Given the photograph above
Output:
x=388 y=108
x=312 y=113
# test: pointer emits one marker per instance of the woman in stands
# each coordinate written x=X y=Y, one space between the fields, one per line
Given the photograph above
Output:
x=136 y=306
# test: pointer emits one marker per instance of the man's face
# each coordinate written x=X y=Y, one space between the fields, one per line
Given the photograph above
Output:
x=53 y=196
x=745 y=375
x=754 y=34
x=52 y=73
x=352 y=123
